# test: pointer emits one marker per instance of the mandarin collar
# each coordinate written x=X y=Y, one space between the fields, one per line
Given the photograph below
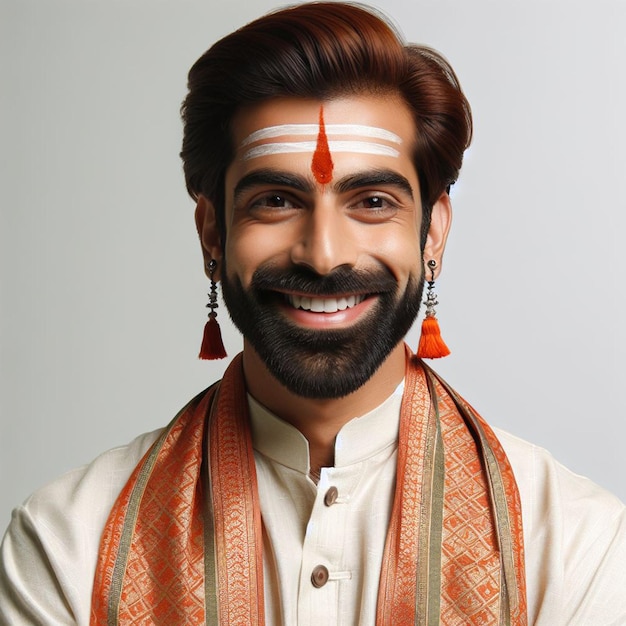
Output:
x=359 y=439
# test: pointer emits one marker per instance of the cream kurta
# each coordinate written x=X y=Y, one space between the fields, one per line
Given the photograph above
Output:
x=575 y=532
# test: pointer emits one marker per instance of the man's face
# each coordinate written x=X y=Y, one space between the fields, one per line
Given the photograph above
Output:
x=322 y=268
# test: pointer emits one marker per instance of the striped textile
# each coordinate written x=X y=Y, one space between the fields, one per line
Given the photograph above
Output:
x=183 y=543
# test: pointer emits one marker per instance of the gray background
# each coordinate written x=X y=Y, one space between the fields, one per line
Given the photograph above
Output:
x=102 y=288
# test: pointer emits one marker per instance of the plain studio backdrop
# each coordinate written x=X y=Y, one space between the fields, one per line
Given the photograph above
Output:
x=103 y=291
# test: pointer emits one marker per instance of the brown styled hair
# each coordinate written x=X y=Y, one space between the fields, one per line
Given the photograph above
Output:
x=321 y=50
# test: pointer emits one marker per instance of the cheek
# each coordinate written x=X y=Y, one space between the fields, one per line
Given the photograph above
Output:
x=399 y=250
x=249 y=248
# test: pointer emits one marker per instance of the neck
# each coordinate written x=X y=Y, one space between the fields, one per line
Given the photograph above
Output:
x=320 y=420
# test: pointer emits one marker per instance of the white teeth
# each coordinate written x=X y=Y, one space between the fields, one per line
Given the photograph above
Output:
x=331 y=305
x=317 y=305
x=324 y=305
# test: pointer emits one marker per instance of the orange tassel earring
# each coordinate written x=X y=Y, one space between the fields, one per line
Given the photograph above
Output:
x=212 y=344
x=431 y=345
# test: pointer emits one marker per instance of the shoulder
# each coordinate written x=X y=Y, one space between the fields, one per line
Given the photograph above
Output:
x=94 y=485
x=53 y=539
x=575 y=540
x=78 y=502
x=542 y=480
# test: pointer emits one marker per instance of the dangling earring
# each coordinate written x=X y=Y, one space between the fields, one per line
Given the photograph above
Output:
x=431 y=345
x=212 y=345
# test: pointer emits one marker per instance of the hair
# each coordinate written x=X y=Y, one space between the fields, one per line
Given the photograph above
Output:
x=321 y=50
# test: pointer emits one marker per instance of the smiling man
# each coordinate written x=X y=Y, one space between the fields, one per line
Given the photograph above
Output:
x=330 y=477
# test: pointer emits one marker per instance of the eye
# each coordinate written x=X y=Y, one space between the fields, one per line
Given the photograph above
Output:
x=374 y=207
x=272 y=206
x=375 y=202
x=273 y=201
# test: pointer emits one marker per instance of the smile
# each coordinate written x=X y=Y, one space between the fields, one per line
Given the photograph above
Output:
x=324 y=305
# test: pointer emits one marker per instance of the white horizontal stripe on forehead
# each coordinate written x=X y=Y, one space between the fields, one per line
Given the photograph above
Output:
x=313 y=129
x=362 y=147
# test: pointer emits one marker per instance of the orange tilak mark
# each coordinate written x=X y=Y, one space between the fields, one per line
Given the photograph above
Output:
x=322 y=163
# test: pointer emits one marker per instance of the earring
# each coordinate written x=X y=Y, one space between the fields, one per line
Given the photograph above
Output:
x=431 y=345
x=212 y=344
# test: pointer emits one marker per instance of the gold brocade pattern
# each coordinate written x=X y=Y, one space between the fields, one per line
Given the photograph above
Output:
x=470 y=557
x=237 y=514
x=505 y=507
x=397 y=592
x=155 y=575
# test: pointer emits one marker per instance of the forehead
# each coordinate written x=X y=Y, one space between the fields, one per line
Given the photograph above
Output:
x=362 y=115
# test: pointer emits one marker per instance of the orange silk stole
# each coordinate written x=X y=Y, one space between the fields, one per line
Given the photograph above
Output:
x=183 y=543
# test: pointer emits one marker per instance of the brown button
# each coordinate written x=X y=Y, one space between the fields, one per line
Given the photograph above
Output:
x=319 y=577
x=331 y=496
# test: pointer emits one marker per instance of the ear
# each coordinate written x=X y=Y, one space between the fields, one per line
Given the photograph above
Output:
x=440 y=222
x=208 y=232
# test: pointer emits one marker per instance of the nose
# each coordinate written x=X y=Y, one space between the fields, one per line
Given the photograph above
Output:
x=325 y=240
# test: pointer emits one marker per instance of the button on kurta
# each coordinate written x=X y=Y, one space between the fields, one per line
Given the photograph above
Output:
x=319 y=577
x=331 y=496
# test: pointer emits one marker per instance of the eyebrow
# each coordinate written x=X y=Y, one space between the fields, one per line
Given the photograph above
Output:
x=374 y=178
x=270 y=177
x=352 y=182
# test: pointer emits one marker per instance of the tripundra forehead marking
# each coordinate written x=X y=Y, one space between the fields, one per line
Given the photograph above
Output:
x=356 y=138
x=362 y=147
x=312 y=129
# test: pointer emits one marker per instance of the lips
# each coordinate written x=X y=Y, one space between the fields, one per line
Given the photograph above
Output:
x=326 y=304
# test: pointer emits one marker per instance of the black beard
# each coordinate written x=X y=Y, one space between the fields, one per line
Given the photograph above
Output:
x=321 y=364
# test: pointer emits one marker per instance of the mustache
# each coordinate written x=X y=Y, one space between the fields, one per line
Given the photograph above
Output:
x=341 y=281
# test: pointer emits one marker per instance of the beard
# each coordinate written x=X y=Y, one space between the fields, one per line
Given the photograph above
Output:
x=328 y=363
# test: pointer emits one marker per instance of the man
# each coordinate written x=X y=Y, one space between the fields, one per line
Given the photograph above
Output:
x=330 y=477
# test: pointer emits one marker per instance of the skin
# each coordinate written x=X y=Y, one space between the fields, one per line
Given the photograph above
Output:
x=348 y=221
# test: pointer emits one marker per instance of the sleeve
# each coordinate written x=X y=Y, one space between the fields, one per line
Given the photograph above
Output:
x=574 y=540
x=48 y=555
x=594 y=553
x=30 y=592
